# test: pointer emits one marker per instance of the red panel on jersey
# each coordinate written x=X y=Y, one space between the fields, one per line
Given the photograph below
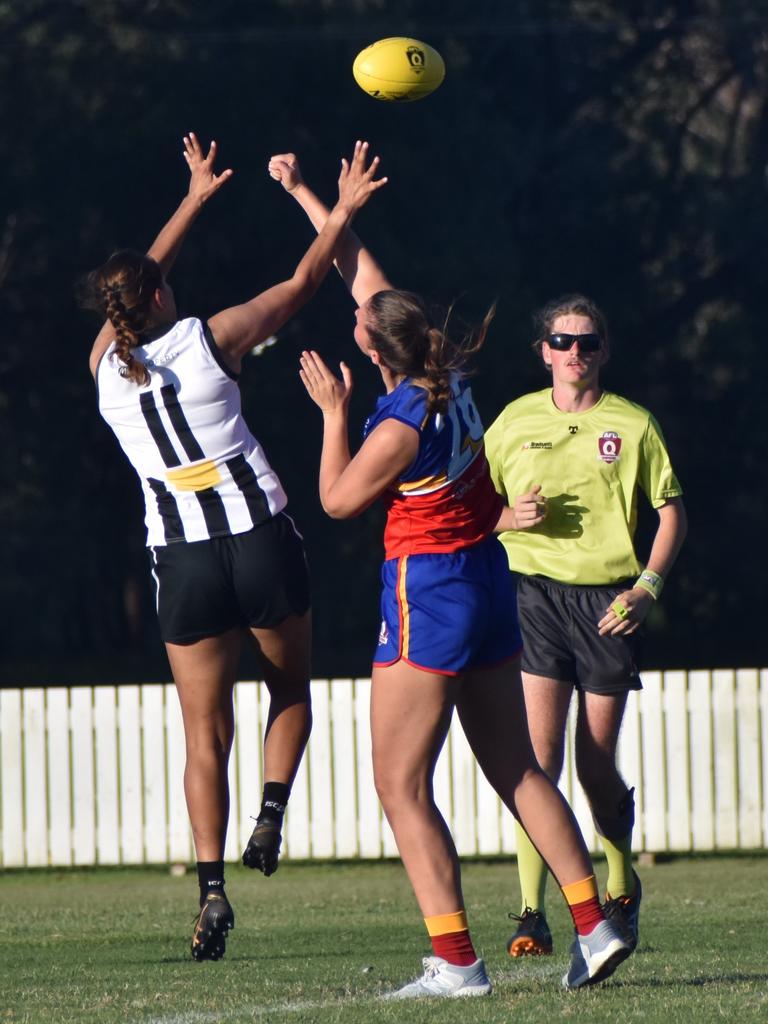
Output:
x=462 y=513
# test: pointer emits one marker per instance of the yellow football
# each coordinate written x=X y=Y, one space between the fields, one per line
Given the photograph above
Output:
x=398 y=69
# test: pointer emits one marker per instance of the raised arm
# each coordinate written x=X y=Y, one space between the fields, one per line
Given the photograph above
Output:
x=203 y=184
x=238 y=329
x=349 y=485
x=359 y=270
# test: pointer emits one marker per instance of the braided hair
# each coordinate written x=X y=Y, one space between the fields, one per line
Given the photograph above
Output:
x=121 y=290
x=404 y=333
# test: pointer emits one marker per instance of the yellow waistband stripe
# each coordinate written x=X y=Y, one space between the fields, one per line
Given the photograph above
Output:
x=445 y=924
x=199 y=477
x=579 y=892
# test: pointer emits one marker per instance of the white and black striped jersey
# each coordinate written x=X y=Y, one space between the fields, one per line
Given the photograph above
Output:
x=203 y=473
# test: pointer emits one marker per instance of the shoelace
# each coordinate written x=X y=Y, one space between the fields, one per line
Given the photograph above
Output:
x=430 y=967
x=624 y=902
x=528 y=912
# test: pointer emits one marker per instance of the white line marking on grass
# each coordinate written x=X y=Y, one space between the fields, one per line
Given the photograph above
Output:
x=253 y=1012
x=534 y=969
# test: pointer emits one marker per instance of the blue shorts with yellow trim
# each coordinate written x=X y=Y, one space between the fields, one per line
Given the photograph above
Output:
x=447 y=613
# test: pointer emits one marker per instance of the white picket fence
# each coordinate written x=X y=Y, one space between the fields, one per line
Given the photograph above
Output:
x=93 y=775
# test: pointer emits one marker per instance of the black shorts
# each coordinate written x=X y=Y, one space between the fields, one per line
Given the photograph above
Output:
x=561 y=641
x=253 y=579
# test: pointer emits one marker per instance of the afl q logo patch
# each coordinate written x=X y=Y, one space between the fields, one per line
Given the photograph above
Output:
x=609 y=446
x=416 y=58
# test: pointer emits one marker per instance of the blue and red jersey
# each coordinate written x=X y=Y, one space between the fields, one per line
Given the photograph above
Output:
x=445 y=500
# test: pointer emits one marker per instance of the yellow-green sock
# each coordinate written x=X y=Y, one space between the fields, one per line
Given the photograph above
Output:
x=531 y=870
x=618 y=853
x=615 y=831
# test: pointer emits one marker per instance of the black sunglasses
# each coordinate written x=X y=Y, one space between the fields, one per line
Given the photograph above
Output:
x=562 y=342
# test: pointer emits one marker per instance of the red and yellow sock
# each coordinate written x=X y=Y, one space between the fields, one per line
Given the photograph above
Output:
x=449 y=934
x=584 y=904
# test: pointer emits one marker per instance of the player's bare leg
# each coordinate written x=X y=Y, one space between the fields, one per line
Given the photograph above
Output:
x=410 y=715
x=547 y=701
x=205 y=675
x=284 y=657
x=492 y=712
x=597 y=736
x=612 y=803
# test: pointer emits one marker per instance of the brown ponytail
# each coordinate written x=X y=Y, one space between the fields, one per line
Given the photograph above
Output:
x=121 y=291
x=404 y=334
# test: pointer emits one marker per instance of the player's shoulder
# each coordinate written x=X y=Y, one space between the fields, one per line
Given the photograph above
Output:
x=174 y=345
x=407 y=401
x=180 y=332
x=191 y=327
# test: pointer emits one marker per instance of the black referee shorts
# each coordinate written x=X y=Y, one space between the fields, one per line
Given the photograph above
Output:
x=561 y=641
x=253 y=579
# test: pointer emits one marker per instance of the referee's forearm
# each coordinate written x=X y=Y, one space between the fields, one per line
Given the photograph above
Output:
x=670 y=534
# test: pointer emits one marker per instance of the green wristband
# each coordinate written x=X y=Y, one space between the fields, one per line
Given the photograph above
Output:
x=651 y=582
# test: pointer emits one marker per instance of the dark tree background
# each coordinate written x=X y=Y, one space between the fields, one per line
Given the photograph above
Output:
x=573 y=146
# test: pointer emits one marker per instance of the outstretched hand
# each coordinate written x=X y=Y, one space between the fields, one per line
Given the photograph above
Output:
x=204 y=182
x=284 y=167
x=327 y=392
x=356 y=182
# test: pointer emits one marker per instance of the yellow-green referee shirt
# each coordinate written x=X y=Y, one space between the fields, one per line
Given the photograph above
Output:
x=589 y=465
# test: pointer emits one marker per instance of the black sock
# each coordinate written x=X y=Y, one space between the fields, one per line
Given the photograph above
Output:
x=210 y=877
x=273 y=801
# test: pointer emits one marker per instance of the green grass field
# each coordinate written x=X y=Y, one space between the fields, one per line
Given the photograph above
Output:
x=320 y=942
